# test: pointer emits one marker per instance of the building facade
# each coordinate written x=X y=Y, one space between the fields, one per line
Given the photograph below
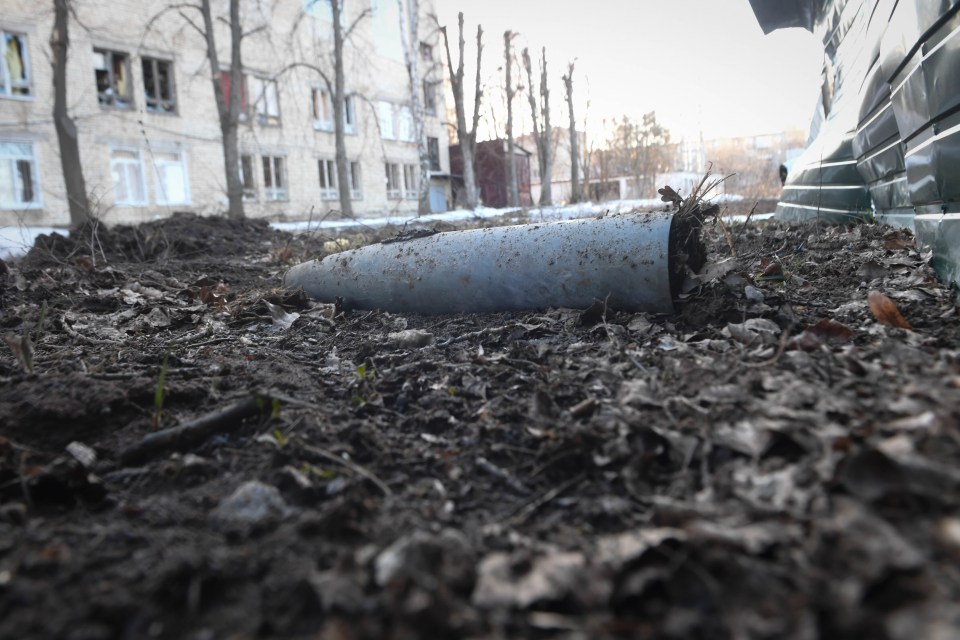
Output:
x=140 y=91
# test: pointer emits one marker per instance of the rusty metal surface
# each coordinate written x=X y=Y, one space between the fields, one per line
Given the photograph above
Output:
x=571 y=263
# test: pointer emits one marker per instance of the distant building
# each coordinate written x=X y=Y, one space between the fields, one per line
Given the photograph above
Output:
x=140 y=92
x=492 y=173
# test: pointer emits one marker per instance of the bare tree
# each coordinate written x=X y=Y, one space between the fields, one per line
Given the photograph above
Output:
x=66 y=128
x=575 y=195
x=466 y=136
x=514 y=195
x=542 y=133
x=638 y=150
x=228 y=107
x=339 y=105
x=410 y=39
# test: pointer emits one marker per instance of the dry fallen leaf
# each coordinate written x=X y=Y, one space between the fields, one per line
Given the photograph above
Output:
x=885 y=311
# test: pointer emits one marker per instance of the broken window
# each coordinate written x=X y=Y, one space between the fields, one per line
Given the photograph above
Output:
x=430 y=97
x=394 y=186
x=14 y=68
x=405 y=118
x=328 y=180
x=225 y=85
x=433 y=151
x=158 y=92
x=356 y=192
x=247 y=178
x=170 y=170
x=410 y=179
x=113 y=78
x=126 y=169
x=323 y=112
x=19 y=178
x=266 y=101
x=274 y=178
x=385 y=116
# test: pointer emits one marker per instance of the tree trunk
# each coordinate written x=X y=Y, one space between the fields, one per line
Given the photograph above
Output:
x=340 y=112
x=66 y=128
x=546 y=175
x=465 y=136
x=410 y=40
x=514 y=195
x=575 y=195
x=541 y=134
x=229 y=112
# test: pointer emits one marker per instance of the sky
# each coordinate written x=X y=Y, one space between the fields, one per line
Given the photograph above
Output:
x=702 y=65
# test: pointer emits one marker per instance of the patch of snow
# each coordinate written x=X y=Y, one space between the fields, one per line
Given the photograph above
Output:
x=16 y=241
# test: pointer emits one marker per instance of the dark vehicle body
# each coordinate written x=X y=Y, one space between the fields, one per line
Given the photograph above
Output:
x=885 y=140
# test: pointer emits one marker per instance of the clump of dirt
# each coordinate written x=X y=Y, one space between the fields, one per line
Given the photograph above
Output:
x=189 y=451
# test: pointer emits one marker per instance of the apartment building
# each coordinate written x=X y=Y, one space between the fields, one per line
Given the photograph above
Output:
x=139 y=89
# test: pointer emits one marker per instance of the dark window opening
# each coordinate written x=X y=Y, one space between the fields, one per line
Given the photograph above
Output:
x=113 y=78
x=158 y=86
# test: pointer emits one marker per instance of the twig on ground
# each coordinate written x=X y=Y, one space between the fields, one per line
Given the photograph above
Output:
x=196 y=431
x=73 y=333
x=520 y=516
x=784 y=341
x=349 y=464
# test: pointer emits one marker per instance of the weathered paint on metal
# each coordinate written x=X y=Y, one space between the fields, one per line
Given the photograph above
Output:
x=625 y=260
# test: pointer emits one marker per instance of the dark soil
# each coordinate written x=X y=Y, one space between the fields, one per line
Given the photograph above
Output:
x=776 y=460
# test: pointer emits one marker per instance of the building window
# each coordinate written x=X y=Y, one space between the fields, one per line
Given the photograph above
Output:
x=322 y=104
x=328 y=180
x=113 y=78
x=430 y=97
x=158 y=92
x=247 y=178
x=170 y=169
x=14 y=67
x=126 y=168
x=266 y=101
x=394 y=186
x=322 y=110
x=225 y=85
x=349 y=114
x=385 y=116
x=274 y=178
x=19 y=179
x=426 y=51
x=405 y=117
x=356 y=191
x=410 y=191
x=433 y=151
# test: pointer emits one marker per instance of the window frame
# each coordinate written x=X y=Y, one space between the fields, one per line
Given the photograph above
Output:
x=355 y=178
x=274 y=167
x=433 y=151
x=160 y=189
x=158 y=102
x=328 y=179
x=392 y=181
x=430 y=97
x=411 y=176
x=113 y=100
x=248 y=178
x=386 y=116
x=15 y=171
x=266 y=118
x=7 y=84
x=322 y=100
x=142 y=176
x=405 y=124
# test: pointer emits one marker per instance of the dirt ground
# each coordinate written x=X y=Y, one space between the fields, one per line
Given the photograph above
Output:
x=778 y=459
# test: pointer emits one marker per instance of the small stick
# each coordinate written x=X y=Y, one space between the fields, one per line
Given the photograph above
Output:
x=196 y=431
x=520 y=516
x=349 y=464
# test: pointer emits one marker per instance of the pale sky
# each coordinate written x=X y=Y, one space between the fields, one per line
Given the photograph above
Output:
x=697 y=63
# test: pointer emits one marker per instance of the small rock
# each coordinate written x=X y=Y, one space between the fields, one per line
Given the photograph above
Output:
x=753 y=294
x=410 y=339
x=254 y=504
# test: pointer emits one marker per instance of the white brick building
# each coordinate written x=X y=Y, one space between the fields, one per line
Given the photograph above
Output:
x=140 y=92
